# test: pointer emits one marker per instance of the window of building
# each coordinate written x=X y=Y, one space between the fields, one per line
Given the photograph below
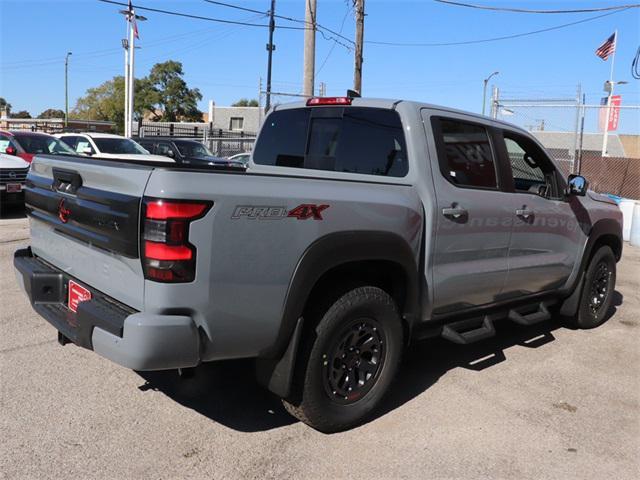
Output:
x=236 y=123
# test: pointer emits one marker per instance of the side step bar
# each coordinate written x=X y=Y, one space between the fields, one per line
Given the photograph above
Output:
x=469 y=331
x=478 y=328
x=530 y=318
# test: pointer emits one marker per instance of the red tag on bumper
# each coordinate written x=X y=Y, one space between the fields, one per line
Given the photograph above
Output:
x=77 y=294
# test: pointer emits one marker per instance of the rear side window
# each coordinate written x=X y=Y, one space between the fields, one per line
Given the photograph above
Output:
x=465 y=154
x=368 y=141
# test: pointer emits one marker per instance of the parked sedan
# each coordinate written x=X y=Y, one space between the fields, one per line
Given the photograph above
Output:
x=108 y=146
x=13 y=174
x=185 y=151
x=25 y=144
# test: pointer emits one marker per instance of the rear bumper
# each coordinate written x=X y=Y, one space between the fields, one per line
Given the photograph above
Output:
x=135 y=340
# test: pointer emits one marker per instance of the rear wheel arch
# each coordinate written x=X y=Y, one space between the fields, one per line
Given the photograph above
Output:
x=329 y=267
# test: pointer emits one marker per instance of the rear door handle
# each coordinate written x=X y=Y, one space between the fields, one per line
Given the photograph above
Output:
x=524 y=213
x=454 y=212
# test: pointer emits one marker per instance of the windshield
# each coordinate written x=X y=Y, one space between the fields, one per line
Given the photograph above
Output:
x=193 y=149
x=119 y=145
x=43 y=144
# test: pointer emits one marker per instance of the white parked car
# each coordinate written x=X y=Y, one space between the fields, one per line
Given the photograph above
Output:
x=13 y=173
x=108 y=145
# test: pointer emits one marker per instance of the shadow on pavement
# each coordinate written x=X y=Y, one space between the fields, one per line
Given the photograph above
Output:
x=228 y=393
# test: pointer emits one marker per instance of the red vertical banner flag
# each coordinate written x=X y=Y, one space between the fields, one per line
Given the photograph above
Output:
x=614 y=114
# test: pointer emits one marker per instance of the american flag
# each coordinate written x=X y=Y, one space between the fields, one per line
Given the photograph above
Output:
x=132 y=19
x=605 y=50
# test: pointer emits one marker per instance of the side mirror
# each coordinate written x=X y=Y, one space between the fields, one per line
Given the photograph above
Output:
x=86 y=151
x=11 y=151
x=170 y=154
x=577 y=185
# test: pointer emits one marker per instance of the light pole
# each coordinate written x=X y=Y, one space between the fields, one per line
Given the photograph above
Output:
x=129 y=80
x=66 y=89
x=484 y=91
x=608 y=87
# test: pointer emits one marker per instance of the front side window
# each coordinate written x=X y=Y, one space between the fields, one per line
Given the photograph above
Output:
x=531 y=170
x=465 y=154
x=84 y=146
x=70 y=141
x=360 y=140
x=163 y=149
x=119 y=146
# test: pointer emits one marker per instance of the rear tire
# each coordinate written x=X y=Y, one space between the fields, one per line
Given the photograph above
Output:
x=597 y=290
x=349 y=361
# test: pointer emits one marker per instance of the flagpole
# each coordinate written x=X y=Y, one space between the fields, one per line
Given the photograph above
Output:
x=605 y=136
x=126 y=82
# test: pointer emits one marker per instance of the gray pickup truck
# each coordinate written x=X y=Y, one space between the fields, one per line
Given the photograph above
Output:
x=360 y=226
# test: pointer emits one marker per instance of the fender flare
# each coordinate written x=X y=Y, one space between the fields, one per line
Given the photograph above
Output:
x=605 y=226
x=275 y=366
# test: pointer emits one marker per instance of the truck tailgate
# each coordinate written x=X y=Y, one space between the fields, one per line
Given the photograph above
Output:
x=84 y=218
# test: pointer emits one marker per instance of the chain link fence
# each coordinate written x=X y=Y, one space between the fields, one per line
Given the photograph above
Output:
x=572 y=133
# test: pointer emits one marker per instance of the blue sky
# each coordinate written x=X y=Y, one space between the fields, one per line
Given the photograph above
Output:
x=225 y=61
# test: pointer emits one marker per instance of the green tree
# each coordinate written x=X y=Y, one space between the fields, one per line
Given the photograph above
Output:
x=106 y=102
x=4 y=105
x=164 y=95
x=172 y=99
x=21 y=114
x=243 y=102
x=52 y=113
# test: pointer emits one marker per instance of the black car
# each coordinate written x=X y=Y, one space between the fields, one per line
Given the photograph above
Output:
x=185 y=151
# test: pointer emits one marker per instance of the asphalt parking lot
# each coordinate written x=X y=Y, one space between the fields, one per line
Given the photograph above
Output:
x=542 y=402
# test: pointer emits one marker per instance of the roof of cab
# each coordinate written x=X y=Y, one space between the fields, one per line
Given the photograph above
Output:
x=393 y=103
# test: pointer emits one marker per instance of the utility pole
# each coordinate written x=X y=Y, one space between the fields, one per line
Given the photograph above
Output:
x=309 y=48
x=66 y=90
x=357 y=74
x=270 y=48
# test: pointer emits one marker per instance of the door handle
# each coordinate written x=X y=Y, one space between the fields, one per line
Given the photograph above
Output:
x=454 y=212
x=524 y=213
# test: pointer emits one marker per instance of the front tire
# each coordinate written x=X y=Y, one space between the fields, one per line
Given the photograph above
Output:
x=350 y=359
x=597 y=291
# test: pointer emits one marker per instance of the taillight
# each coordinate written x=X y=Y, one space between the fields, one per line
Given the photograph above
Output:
x=167 y=255
x=315 y=101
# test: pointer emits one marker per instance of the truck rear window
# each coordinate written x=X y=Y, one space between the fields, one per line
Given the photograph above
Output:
x=362 y=140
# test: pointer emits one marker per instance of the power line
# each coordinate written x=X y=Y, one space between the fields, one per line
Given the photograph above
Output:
x=319 y=27
x=494 y=39
x=525 y=10
x=334 y=45
x=237 y=7
x=199 y=17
